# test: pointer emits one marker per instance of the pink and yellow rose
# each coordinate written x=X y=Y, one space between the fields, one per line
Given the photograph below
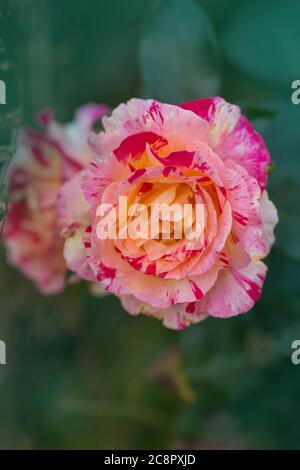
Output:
x=43 y=162
x=199 y=152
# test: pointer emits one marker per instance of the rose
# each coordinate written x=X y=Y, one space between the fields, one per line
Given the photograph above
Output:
x=43 y=161
x=200 y=152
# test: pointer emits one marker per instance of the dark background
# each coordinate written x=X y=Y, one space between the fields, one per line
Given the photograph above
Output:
x=82 y=373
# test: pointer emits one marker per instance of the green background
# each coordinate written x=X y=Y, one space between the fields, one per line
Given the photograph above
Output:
x=81 y=373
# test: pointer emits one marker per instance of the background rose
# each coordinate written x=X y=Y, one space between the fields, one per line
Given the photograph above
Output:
x=203 y=151
x=42 y=163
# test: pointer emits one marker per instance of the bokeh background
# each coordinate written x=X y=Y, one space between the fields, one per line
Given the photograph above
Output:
x=81 y=373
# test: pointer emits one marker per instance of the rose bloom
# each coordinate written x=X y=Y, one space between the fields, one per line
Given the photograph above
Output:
x=202 y=152
x=43 y=161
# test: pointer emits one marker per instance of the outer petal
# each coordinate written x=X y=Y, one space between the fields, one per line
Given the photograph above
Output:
x=169 y=292
x=75 y=256
x=73 y=208
x=175 y=125
x=269 y=217
x=235 y=291
x=232 y=136
x=175 y=317
x=73 y=136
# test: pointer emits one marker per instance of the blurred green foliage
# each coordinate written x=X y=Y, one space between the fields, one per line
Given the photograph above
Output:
x=178 y=52
x=80 y=372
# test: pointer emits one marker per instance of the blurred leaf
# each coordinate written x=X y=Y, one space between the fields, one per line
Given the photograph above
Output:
x=217 y=9
x=240 y=87
x=178 y=53
x=262 y=37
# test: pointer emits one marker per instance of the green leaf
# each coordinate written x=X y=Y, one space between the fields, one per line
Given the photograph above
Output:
x=178 y=53
x=262 y=38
